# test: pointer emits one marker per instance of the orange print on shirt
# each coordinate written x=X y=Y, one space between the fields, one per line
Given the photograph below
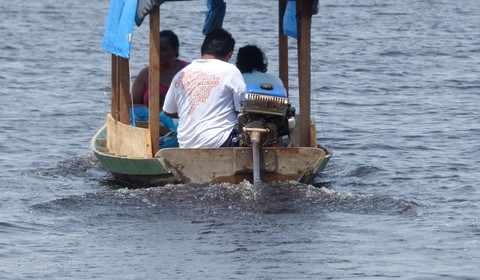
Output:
x=197 y=85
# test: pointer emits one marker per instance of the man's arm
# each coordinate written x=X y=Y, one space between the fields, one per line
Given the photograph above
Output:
x=170 y=104
x=238 y=88
x=171 y=115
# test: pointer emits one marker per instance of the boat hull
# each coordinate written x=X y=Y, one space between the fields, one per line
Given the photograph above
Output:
x=234 y=165
x=136 y=171
x=212 y=165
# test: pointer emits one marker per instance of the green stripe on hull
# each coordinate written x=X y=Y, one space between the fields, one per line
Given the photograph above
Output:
x=328 y=155
x=131 y=166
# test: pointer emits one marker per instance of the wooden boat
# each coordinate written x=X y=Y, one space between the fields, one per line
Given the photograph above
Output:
x=132 y=154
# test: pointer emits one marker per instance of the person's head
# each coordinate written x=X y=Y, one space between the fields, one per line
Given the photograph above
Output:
x=169 y=46
x=218 y=43
x=251 y=58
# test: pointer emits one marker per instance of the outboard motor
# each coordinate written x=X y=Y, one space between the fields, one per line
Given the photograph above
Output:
x=265 y=117
x=266 y=110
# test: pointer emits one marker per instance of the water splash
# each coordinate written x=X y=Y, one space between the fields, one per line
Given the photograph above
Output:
x=233 y=200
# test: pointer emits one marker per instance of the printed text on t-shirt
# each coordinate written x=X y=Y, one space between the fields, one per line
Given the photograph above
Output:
x=197 y=85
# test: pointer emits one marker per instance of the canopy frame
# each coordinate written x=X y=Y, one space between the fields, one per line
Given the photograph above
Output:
x=121 y=73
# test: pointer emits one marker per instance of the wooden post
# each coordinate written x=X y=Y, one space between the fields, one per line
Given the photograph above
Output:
x=282 y=45
x=154 y=79
x=304 y=64
x=114 y=91
x=120 y=89
x=124 y=82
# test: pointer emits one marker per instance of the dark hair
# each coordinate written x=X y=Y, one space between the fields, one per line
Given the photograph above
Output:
x=171 y=37
x=218 y=43
x=251 y=58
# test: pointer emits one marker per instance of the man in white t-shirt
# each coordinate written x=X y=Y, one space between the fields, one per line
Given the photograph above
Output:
x=205 y=95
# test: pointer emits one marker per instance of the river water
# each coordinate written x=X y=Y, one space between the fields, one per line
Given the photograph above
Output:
x=396 y=96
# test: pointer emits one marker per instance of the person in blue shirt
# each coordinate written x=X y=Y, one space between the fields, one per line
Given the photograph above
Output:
x=252 y=63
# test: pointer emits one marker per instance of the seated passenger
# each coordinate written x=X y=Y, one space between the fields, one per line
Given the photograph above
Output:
x=169 y=66
x=205 y=95
x=252 y=63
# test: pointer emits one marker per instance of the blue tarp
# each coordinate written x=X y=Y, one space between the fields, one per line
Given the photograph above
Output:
x=215 y=15
x=144 y=8
x=123 y=14
x=118 y=31
x=290 y=20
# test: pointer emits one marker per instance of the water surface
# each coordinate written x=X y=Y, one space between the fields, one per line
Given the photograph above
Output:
x=396 y=96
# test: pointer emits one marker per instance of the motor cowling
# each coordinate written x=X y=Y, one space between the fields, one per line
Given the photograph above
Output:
x=266 y=108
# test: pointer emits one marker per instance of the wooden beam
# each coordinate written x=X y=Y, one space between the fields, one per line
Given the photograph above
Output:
x=154 y=79
x=124 y=90
x=304 y=68
x=120 y=89
x=282 y=46
x=114 y=90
